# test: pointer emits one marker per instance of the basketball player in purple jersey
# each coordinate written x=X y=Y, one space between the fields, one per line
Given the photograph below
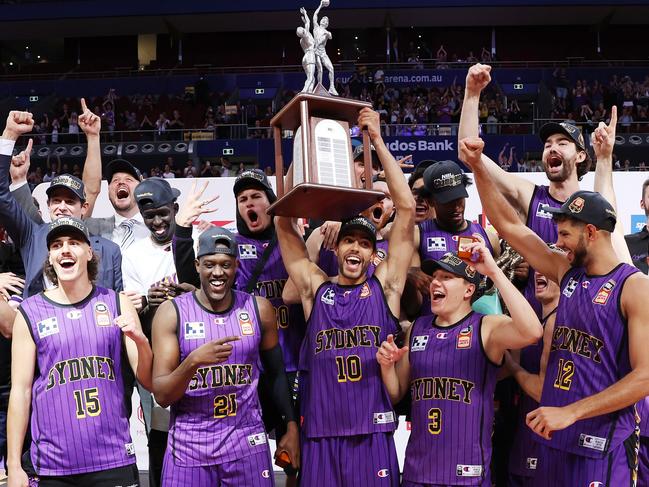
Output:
x=348 y=421
x=565 y=161
x=209 y=347
x=451 y=370
x=529 y=372
x=70 y=345
x=597 y=369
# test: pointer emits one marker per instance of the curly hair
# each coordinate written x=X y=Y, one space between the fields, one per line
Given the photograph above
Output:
x=93 y=270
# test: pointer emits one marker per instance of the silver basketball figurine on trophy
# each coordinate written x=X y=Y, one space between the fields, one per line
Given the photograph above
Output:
x=315 y=55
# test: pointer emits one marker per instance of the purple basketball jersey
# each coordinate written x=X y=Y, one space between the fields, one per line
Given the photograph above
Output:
x=589 y=352
x=541 y=223
x=218 y=420
x=79 y=421
x=435 y=242
x=328 y=262
x=341 y=391
x=452 y=384
x=271 y=281
x=523 y=458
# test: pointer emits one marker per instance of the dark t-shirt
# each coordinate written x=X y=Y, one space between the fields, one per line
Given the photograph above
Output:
x=638 y=244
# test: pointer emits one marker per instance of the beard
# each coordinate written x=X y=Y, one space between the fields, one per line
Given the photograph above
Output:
x=579 y=253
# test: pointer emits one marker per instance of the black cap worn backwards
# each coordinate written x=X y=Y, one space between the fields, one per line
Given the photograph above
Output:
x=69 y=182
x=572 y=131
x=450 y=262
x=154 y=193
x=358 y=223
x=588 y=207
x=67 y=225
x=122 y=165
x=360 y=149
x=217 y=240
x=252 y=178
x=445 y=181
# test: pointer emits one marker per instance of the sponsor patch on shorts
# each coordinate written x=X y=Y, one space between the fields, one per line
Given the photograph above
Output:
x=468 y=470
x=531 y=463
x=384 y=418
x=593 y=442
x=257 y=439
x=130 y=449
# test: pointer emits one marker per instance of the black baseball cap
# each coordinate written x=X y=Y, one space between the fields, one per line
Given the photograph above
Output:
x=360 y=149
x=358 y=223
x=122 y=165
x=217 y=240
x=69 y=182
x=251 y=178
x=154 y=193
x=588 y=207
x=445 y=181
x=450 y=262
x=67 y=225
x=566 y=128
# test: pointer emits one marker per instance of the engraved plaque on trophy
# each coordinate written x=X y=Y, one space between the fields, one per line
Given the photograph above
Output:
x=323 y=184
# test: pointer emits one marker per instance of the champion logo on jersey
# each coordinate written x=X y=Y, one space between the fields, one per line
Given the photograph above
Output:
x=468 y=470
x=74 y=314
x=328 y=297
x=194 y=330
x=442 y=335
x=419 y=343
x=102 y=314
x=570 y=287
x=47 y=327
x=130 y=449
x=265 y=473
x=585 y=284
x=258 y=439
x=436 y=244
x=383 y=418
x=384 y=472
x=597 y=484
x=604 y=292
x=541 y=213
x=593 y=442
x=245 y=323
x=220 y=321
x=365 y=291
x=247 y=251
x=464 y=338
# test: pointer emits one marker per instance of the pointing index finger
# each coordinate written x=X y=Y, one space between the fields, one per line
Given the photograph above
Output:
x=613 y=121
x=226 y=340
x=28 y=149
x=84 y=107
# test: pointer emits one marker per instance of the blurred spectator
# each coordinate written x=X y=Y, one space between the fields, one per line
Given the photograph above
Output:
x=190 y=170
x=227 y=167
x=168 y=173
x=176 y=124
x=161 y=125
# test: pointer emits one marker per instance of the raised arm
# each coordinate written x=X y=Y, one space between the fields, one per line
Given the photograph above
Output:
x=503 y=217
x=517 y=191
x=91 y=126
x=393 y=271
x=603 y=141
x=170 y=376
x=20 y=165
x=23 y=358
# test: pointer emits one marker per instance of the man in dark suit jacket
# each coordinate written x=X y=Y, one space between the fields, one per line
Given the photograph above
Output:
x=66 y=197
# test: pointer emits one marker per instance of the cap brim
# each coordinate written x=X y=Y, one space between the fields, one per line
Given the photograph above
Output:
x=429 y=266
x=555 y=210
x=66 y=230
x=248 y=183
x=451 y=194
x=350 y=228
x=121 y=165
x=51 y=188
x=552 y=128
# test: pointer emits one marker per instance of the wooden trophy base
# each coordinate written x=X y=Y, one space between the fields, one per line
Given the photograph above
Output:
x=324 y=202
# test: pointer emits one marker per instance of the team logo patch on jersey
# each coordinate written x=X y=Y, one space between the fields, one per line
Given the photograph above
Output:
x=258 y=439
x=130 y=449
x=247 y=251
x=47 y=327
x=468 y=470
x=102 y=314
x=604 y=292
x=570 y=287
x=436 y=244
x=379 y=257
x=531 y=463
x=593 y=442
x=383 y=418
x=365 y=291
x=384 y=472
x=328 y=297
x=245 y=323
x=541 y=213
x=194 y=330
x=442 y=335
x=419 y=343
x=74 y=314
x=464 y=338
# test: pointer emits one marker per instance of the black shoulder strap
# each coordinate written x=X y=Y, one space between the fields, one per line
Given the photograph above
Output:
x=261 y=263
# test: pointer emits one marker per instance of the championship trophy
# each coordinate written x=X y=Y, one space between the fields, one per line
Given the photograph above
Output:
x=322 y=183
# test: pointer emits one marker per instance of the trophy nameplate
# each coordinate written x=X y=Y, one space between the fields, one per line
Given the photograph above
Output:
x=323 y=185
